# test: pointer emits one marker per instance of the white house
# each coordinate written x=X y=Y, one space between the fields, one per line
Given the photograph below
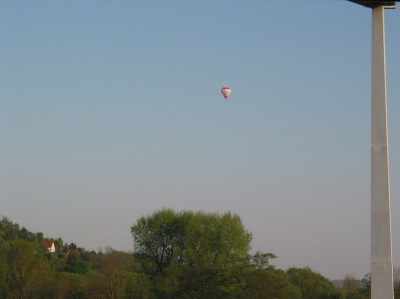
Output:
x=49 y=246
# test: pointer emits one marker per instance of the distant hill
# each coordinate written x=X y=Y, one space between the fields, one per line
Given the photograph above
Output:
x=10 y=231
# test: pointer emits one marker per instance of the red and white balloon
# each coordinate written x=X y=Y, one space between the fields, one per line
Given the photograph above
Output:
x=226 y=92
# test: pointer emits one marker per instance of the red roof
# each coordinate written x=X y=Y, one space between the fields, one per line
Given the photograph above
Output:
x=47 y=244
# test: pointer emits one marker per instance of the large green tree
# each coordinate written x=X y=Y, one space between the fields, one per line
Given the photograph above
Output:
x=158 y=237
x=195 y=254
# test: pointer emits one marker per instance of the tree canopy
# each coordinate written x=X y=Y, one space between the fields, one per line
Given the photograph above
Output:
x=180 y=255
x=199 y=253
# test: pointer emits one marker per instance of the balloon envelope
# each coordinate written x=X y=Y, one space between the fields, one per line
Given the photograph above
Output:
x=226 y=91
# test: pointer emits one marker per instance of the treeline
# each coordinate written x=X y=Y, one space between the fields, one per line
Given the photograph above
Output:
x=177 y=255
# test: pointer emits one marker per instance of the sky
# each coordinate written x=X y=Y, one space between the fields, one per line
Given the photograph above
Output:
x=111 y=110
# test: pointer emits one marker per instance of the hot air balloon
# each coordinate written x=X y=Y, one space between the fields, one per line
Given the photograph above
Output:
x=226 y=92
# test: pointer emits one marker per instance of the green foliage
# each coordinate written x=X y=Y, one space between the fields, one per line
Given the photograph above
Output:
x=195 y=255
x=313 y=285
x=189 y=238
x=158 y=236
x=269 y=283
x=76 y=264
x=138 y=286
x=26 y=235
x=25 y=268
x=8 y=230
x=185 y=255
x=71 y=285
x=3 y=272
x=261 y=261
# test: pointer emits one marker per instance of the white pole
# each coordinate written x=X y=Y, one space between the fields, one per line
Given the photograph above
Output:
x=381 y=238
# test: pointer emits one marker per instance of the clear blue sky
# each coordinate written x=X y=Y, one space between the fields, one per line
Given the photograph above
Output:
x=111 y=110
